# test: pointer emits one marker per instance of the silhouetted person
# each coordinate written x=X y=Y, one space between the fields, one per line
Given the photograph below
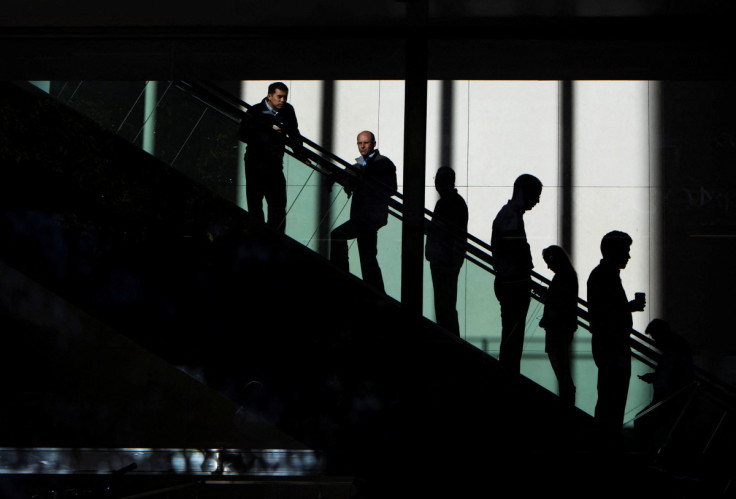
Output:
x=560 y=318
x=266 y=128
x=512 y=260
x=675 y=369
x=671 y=377
x=371 y=191
x=610 y=324
x=445 y=250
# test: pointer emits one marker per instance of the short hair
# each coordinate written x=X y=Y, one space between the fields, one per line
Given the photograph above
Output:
x=615 y=242
x=373 y=137
x=277 y=85
x=445 y=171
x=659 y=329
x=527 y=183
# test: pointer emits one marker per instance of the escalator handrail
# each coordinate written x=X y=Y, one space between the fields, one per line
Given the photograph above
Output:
x=481 y=249
x=643 y=347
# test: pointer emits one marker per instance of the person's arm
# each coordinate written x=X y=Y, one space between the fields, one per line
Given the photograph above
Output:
x=382 y=180
x=387 y=176
x=295 y=140
x=637 y=305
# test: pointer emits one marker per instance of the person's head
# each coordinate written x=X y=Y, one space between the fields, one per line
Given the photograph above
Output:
x=527 y=190
x=278 y=92
x=366 y=143
x=444 y=180
x=659 y=330
x=556 y=258
x=615 y=248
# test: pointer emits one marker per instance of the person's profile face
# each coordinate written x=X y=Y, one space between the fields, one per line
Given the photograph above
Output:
x=622 y=257
x=443 y=182
x=277 y=99
x=366 y=144
x=550 y=261
x=531 y=199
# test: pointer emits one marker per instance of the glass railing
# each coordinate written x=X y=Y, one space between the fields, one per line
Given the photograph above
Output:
x=170 y=124
x=194 y=128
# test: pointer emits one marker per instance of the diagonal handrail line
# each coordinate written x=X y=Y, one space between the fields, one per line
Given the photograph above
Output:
x=209 y=93
x=479 y=252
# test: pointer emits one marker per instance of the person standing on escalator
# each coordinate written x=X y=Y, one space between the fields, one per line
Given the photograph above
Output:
x=610 y=312
x=560 y=318
x=447 y=239
x=512 y=260
x=267 y=128
x=371 y=188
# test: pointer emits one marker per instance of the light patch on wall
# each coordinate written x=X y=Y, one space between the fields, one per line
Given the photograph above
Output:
x=611 y=177
x=512 y=128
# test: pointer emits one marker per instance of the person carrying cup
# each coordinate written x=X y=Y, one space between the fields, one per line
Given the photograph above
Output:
x=610 y=324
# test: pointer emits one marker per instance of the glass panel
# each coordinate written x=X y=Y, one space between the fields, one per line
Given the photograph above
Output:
x=389 y=256
x=117 y=106
x=389 y=250
x=584 y=372
x=535 y=363
x=462 y=293
x=640 y=393
x=303 y=217
x=202 y=142
x=482 y=317
x=198 y=141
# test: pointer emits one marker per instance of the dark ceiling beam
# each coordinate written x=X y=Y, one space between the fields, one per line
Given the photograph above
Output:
x=526 y=48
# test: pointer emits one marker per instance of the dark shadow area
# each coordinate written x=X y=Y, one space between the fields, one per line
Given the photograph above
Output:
x=699 y=232
x=270 y=325
x=566 y=162
x=328 y=132
x=446 y=110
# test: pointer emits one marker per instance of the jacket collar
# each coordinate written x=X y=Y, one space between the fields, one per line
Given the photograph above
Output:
x=375 y=156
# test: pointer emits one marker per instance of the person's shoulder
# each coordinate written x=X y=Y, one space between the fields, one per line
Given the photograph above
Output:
x=504 y=213
x=459 y=200
x=596 y=272
x=258 y=107
x=384 y=165
x=383 y=159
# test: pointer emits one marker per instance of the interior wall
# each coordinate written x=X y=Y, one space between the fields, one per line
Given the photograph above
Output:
x=699 y=178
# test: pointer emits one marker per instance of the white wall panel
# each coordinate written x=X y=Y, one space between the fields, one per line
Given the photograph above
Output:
x=611 y=165
x=356 y=109
x=512 y=129
x=390 y=130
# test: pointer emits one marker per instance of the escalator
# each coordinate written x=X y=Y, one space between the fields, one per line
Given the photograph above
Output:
x=165 y=257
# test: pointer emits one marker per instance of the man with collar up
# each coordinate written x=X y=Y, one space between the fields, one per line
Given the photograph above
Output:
x=266 y=128
x=373 y=186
